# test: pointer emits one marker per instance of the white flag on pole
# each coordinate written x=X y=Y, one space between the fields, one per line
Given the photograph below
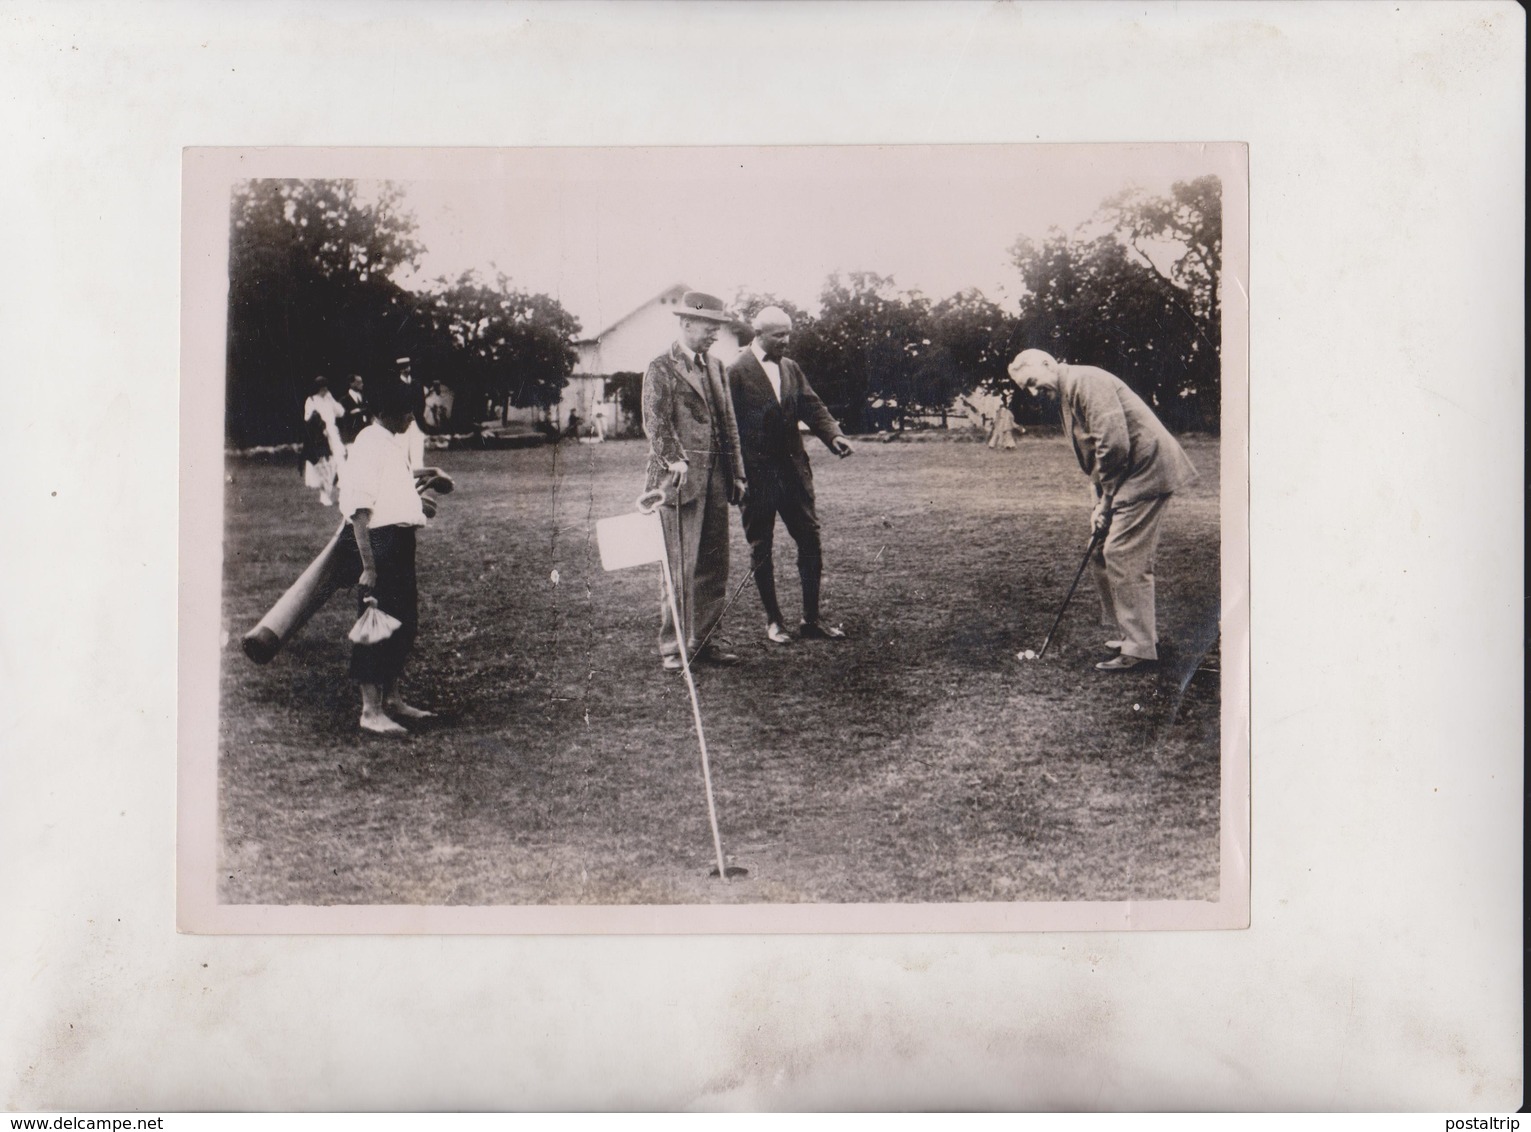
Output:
x=630 y=540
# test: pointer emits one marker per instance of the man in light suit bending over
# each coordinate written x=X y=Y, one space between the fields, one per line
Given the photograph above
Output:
x=688 y=417
x=771 y=396
x=1134 y=465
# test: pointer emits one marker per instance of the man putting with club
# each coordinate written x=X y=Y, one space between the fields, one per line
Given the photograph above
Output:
x=694 y=458
x=1134 y=465
x=771 y=396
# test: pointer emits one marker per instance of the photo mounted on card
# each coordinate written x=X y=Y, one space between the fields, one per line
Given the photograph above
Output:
x=714 y=540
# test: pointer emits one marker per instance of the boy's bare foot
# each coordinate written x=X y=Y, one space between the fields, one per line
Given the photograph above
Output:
x=401 y=710
x=380 y=724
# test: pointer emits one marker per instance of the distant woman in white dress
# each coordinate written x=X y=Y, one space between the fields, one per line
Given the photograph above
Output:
x=323 y=450
x=1003 y=435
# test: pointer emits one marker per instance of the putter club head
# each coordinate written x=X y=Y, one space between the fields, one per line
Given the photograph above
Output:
x=733 y=871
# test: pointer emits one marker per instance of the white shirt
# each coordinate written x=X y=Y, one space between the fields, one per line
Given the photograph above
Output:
x=772 y=370
x=377 y=476
x=414 y=441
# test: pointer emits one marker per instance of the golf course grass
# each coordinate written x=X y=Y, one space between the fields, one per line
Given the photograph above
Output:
x=915 y=761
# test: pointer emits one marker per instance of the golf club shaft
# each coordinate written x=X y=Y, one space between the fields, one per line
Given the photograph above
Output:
x=682 y=628
x=718 y=624
x=1095 y=538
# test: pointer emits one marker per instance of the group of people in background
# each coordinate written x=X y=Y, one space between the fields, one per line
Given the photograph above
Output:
x=724 y=436
x=330 y=425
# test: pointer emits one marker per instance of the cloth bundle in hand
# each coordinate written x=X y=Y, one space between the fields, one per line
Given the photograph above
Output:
x=373 y=625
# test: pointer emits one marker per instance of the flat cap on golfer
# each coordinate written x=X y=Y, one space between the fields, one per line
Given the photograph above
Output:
x=699 y=304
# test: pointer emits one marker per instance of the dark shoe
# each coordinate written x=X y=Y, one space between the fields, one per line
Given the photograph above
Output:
x=818 y=631
x=1122 y=663
x=714 y=655
x=778 y=635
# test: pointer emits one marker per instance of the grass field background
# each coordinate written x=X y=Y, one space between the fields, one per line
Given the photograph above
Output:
x=915 y=761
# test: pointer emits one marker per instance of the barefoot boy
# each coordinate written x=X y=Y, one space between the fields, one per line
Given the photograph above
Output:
x=377 y=493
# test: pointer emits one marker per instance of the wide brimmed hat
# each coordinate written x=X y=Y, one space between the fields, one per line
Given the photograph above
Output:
x=698 y=304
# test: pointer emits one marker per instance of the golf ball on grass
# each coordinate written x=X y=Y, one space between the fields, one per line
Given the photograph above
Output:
x=1028 y=654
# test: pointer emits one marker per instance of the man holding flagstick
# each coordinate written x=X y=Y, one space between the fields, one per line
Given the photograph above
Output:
x=688 y=417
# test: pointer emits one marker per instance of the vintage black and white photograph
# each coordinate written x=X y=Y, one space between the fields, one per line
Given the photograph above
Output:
x=842 y=532
x=457 y=329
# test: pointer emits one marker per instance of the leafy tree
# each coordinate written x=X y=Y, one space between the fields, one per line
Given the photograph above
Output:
x=1108 y=300
x=309 y=293
x=969 y=345
x=975 y=332
x=867 y=346
x=873 y=343
x=1186 y=231
x=627 y=387
x=502 y=344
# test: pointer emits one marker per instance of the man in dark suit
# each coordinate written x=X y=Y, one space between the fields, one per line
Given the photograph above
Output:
x=354 y=415
x=1134 y=465
x=771 y=396
x=694 y=457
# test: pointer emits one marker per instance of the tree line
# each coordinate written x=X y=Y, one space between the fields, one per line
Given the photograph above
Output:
x=311 y=295
x=1134 y=291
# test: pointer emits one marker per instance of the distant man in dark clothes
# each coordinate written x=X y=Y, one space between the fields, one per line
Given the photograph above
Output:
x=377 y=494
x=1134 y=465
x=353 y=404
x=771 y=396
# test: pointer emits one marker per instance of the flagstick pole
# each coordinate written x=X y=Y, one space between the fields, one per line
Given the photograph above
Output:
x=696 y=707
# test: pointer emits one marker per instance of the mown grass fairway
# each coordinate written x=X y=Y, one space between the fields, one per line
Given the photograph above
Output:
x=917 y=760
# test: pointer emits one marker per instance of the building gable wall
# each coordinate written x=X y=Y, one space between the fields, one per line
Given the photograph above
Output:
x=628 y=345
